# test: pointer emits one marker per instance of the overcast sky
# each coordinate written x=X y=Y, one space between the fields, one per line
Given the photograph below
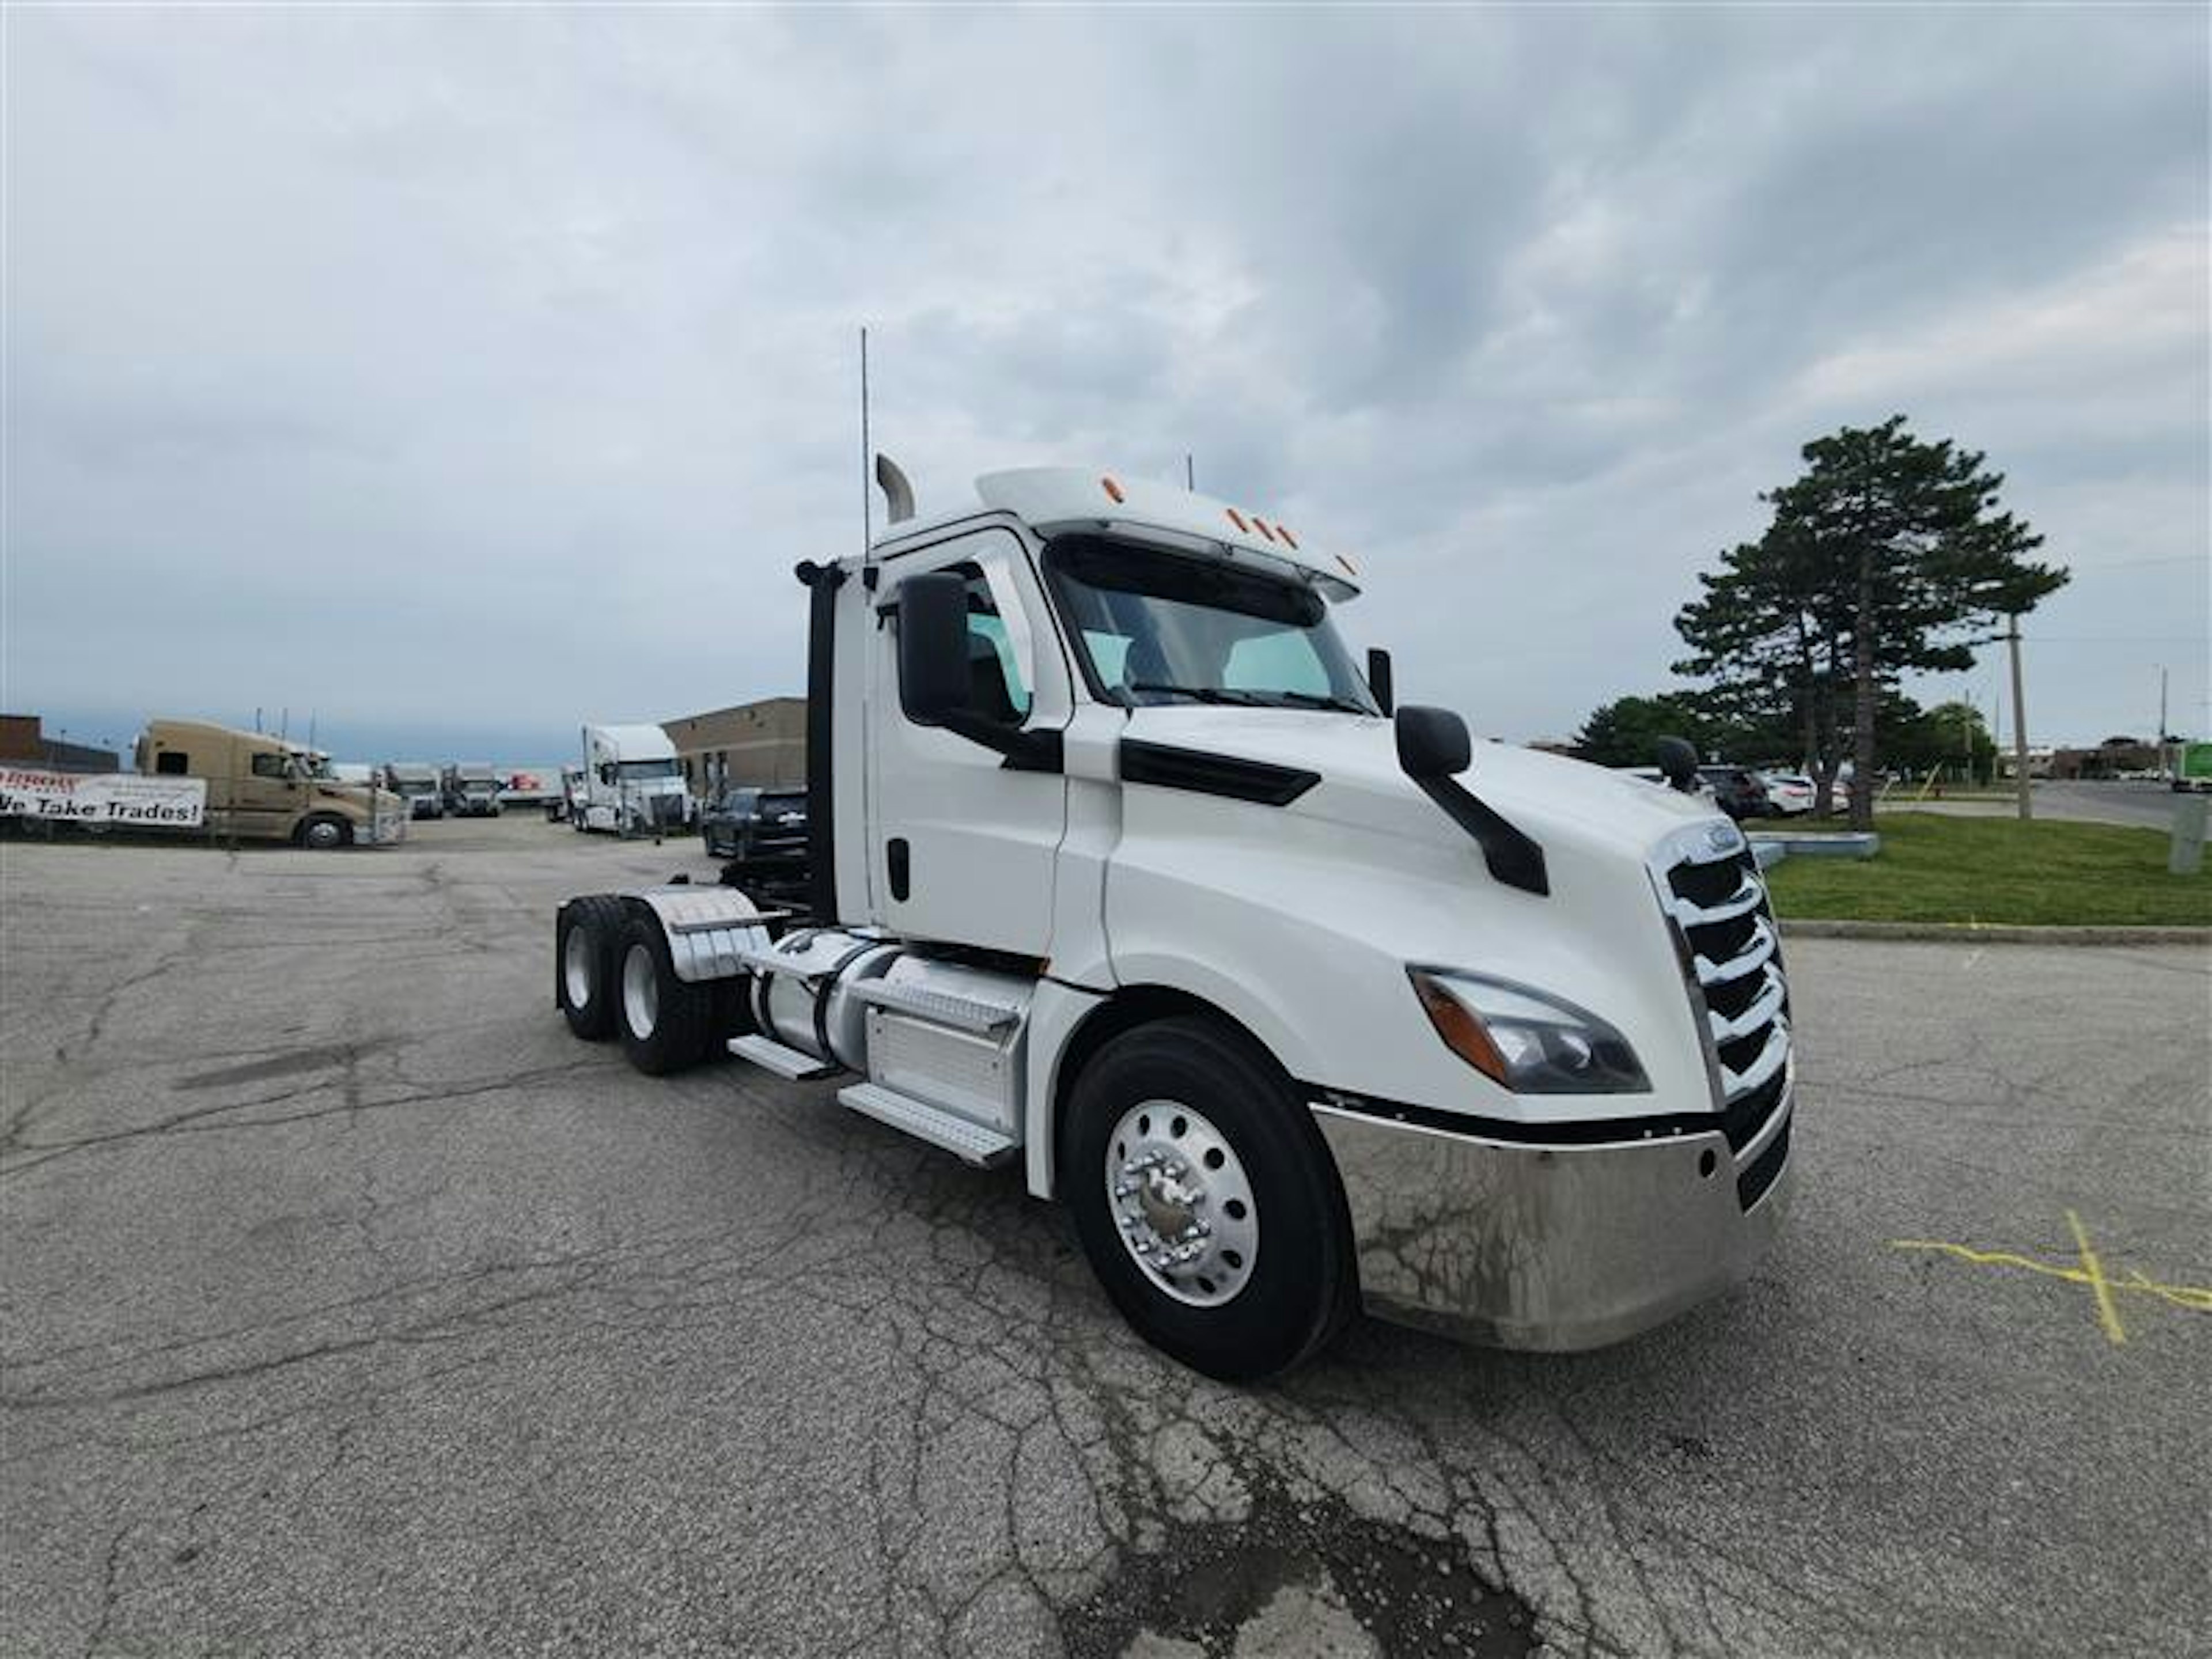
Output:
x=462 y=374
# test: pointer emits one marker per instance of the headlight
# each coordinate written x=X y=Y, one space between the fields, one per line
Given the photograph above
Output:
x=1531 y=1044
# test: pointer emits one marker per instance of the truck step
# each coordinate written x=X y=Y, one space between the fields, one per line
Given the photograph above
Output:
x=772 y=1056
x=971 y=1142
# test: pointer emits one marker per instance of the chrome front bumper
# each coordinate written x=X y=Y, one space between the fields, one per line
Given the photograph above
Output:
x=1548 y=1248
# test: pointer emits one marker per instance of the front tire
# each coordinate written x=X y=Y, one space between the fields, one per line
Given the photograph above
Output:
x=1180 y=1123
x=322 y=835
x=586 y=935
x=665 y=1024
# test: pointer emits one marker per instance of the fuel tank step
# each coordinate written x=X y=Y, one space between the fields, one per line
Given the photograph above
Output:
x=971 y=1142
x=772 y=1056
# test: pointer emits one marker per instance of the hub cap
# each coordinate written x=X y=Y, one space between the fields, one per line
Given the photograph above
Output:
x=1181 y=1203
x=641 y=991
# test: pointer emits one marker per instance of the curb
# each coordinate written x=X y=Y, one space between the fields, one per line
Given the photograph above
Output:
x=1993 y=934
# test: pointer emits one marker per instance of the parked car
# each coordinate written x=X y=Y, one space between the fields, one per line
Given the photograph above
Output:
x=761 y=832
x=1657 y=779
x=1790 y=794
x=1739 y=791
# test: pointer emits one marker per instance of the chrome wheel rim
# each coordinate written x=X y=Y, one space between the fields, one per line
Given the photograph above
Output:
x=1181 y=1202
x=322 y=836
x=576 y=966
x=641 y=991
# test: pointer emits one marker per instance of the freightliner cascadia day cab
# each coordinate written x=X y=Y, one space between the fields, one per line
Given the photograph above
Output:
x=471 y=790
x=261 y=788
x=420 y=784
x=632 y=783
x=1121 y=870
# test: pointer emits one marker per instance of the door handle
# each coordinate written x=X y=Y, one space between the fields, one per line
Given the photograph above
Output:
x=898 y=862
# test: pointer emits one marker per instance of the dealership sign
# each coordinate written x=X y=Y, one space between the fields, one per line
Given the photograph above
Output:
x=102 y=798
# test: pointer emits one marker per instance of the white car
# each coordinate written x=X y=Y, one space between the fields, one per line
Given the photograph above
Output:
x=1792 y=793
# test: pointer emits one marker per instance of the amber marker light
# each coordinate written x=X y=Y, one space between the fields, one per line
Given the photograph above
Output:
x=1112 y=489
x=1461 y=1031
x=1237 y=519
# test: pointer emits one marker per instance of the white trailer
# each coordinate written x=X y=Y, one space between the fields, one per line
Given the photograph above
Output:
x=1123 y=873
x=631 y=783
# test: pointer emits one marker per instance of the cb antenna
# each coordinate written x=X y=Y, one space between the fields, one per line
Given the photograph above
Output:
x=868 y=504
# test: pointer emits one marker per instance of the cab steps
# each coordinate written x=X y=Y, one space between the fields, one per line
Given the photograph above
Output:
x=788 y=1063
x=971 y=1142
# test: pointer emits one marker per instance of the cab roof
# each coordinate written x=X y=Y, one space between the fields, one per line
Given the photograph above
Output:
x=1052 y=500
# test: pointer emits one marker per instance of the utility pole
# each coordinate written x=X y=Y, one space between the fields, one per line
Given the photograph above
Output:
x=2019 y=723
x=2164 y=771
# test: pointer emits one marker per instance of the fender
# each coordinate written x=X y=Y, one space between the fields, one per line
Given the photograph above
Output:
x=709 y=929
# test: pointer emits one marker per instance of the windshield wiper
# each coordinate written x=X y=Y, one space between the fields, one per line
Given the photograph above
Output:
x=1315 y=700
x=1201 y=693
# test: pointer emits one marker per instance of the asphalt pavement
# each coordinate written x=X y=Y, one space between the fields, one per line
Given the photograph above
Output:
x=349 y=1305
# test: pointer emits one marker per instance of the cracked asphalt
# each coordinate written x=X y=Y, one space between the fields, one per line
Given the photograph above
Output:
x=347 y=1305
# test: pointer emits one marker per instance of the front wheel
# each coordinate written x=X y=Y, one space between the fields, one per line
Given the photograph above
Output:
x=1207 y=1202
x=321 y=835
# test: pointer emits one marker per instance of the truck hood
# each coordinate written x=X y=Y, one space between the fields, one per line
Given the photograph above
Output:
x=1362 y=786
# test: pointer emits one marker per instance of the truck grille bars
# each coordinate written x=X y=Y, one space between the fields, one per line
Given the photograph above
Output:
x=1719 y=905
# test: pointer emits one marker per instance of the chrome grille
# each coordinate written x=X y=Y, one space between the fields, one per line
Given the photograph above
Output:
x=1733 y=969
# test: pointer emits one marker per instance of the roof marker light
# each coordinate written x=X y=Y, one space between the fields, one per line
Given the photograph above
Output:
x=1237 y=519
x=1112 y=488
x=1350 y=569
x=1284 y=530
x=1264 y=531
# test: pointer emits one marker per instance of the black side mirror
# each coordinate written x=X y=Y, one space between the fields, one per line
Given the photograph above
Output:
x=933 y=646
x=1379 y=681
x=1677 y=762
x=1432 y=743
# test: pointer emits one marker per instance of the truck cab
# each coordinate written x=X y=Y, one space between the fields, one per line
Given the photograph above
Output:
x=418 y=783
x=632 y=783
x=260 y=787
x=1124 y=868
x=470 y=789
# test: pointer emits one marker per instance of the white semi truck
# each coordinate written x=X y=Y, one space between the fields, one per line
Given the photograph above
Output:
x=632 y=783
x=1123 y=871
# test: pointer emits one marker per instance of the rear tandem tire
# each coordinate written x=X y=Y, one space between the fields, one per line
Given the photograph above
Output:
x=1302 y=1285
x=665 y=1023
x=586 y=935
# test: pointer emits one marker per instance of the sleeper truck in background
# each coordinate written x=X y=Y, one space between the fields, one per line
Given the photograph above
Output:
x=632 y=783
x=261 y=788
x=1122 y=871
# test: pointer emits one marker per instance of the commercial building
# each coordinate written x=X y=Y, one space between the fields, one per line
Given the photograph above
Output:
x=762 y=745
x=23 y=741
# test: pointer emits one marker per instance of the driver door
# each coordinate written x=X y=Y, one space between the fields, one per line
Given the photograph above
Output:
x=961 y=846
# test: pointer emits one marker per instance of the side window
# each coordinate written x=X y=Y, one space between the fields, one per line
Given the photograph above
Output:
x=994 y=678
x=171 y=762
x=269 y=766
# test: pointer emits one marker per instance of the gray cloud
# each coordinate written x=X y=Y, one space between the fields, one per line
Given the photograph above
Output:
x=342 y=343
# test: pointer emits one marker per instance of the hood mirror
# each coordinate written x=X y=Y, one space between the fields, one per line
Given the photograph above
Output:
x=1677 y=762
x=1433 y=743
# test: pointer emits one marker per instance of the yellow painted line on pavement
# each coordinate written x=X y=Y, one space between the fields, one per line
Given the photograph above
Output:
x=2089 y=1271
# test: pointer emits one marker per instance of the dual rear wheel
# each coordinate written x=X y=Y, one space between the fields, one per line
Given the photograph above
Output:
x=613 y=977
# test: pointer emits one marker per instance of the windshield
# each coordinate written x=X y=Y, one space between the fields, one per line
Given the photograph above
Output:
x=1158 y=627
x=646 y=769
